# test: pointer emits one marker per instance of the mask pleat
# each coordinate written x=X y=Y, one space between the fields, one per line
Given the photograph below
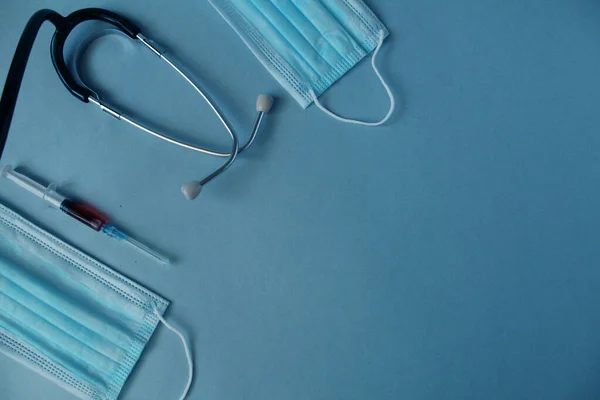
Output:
x=353 y=26
x=62 y=321
x=88 y=291
x=277 y=40
x=76 y=307
x=330 y=27
x=309 y=31
x=291 y=24
x=54 y=343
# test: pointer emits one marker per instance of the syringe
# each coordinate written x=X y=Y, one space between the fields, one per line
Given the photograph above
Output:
x=82 y=212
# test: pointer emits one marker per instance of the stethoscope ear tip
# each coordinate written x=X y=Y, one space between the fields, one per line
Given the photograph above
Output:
x=264 y=102
x=191 y=190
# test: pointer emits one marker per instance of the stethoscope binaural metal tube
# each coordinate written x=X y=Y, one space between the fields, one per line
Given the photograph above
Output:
x=64 y=26
x=192 y=189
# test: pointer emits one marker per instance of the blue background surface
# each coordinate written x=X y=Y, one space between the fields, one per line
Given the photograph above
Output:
x=451 y=254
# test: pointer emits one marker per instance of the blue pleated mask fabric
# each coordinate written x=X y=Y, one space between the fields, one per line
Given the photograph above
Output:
x=307 y=45
x=67 y=316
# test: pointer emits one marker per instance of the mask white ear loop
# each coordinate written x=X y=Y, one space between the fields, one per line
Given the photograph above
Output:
x=188 y=354
x=383 y=82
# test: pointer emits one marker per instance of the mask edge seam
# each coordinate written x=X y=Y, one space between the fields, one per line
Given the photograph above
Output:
x=267 y=55
x=145 y=331
x=46 y=364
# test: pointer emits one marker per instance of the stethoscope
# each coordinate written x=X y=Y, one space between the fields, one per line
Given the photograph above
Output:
x=64 y=26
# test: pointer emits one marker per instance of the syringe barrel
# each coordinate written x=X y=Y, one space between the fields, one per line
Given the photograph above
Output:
x=46 y=193
x=85 y=214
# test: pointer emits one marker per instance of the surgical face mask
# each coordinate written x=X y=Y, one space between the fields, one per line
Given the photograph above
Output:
x=69 y=317
x=307 y=45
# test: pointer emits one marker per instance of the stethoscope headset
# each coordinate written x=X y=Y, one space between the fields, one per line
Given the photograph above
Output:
x=64 y=26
